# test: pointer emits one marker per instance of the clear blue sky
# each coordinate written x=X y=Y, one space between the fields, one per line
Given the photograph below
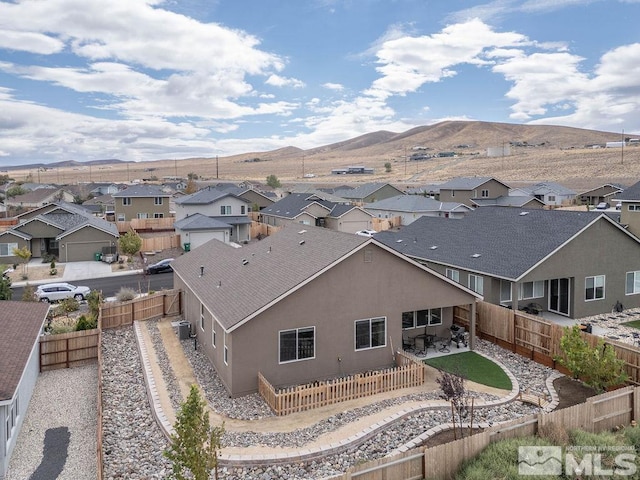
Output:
x=152 y=79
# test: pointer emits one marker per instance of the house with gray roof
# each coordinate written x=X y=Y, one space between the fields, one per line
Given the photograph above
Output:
x=411 y=207
x=551 y=193
x=520 y=201
x=629 y=200
x=198 y=229
x=38 y=198
x=141 y=201
x=571 y=263
x=313 y=209
x=369 y=193
x=466 y=189
x=65 y=231
x=21 y=324
x=220 y=204
x=307 y=304
x=603 y=193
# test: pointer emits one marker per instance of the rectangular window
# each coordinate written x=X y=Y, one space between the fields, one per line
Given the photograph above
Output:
x=121 y=217
x=476 y=283
x=505 y=291
x=242 y=210
x=634 y=208
x=126 y=201
x=157 y=200
x=633 y=283
x=297 y=344
x=552 y=198
x=484 y=193
x=453 y=274
x=225 y=209
x=531 y=290
x=226 y=349
x=158 y=215
x=213 y=333
x=6 y=249
x=408 y=320
x=142 y=216
x=202 y=317
x=594 y=287
x=371 y=333
x=435 y=316
x=421 y=318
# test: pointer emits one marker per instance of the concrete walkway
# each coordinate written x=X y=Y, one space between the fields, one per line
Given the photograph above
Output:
x=341 y=439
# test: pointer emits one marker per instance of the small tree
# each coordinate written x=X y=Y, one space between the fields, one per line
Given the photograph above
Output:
x=130 y=243
x=273 y=181
x=5 y=288
x=15 y=191
x=387 y=167
x=24 y=254
x=597 y=366
x=194 y=445
x=191 y=187
x=454 y=391
x=28 y=293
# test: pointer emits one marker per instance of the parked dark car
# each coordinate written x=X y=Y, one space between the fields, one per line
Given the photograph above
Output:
x=161 y=266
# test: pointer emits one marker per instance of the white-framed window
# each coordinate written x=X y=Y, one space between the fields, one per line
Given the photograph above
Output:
x=121 y=217
x=634 y=208
x=6 y=249
x=158 y=201
x=12 y=418
x=594 y=288
x=297 y=344
x=633 y=283
x=158 y=215
x=142 y=216
x=421 y=318
x=531 y=290
x=226 y=349
x=484 y=193
x=552 y=198
x=505 y=291
x=202 y=317
x=214 y=339
x=370 y=333
x=126 y=201
x=243 y=209
x=225 y=209
x=453 y=274
x=476 y=283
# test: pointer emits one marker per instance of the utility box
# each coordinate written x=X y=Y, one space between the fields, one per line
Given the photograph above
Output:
x=184 y=330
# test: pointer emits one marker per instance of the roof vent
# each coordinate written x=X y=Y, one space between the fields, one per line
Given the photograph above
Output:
x=219 y=283
x=433 y=247
x=399 y=240
x=522 y=214
x=201 y=270
x=301 y=232
x=244 y=261
x=301 y=242
x=476 y=255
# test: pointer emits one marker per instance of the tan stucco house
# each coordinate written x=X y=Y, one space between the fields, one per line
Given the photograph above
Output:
x=141 y=201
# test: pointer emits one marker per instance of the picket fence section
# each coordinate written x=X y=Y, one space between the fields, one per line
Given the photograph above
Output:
x=298 y=398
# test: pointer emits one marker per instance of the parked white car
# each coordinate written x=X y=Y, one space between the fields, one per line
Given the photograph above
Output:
x=366 y=233
x=54 y=292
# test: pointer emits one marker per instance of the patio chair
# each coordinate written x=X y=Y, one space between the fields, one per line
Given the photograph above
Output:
x=408 y=343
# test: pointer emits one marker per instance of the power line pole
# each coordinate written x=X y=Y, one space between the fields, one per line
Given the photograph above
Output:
x=216 y=166
x=622 y=149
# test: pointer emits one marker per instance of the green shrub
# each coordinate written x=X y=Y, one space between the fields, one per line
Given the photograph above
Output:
x=28 y=293
x=125 y=294
x=69 y=305
x=85 y=323
x=63 y=325
x=94 y=300
x=632 y=434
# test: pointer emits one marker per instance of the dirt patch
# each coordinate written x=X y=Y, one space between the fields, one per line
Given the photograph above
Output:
x=571 y=392
x=448 y=436
x=36 y=272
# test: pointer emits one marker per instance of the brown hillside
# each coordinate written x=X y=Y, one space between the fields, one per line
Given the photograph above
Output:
x=553 y=153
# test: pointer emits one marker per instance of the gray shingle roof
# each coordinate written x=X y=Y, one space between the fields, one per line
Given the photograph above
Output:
x=209 y=195
x=293 y=205
x=507 y=201
x=630 y=194
x=542 y=188
x=20 y=324
x=200 y=222
x=275 y=266
x=465 y=183
x=413 y=203
x=361 y=191
x=142 y=191
x=502 y=242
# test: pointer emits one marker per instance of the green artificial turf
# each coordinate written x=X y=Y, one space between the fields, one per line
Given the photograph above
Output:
x=632 y=324
x=473 y=367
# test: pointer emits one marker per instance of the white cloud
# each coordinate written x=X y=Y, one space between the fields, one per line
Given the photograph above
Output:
x=333 y=86
x=279 y=81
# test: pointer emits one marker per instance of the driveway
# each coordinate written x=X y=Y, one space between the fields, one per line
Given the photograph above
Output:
x=81 y=270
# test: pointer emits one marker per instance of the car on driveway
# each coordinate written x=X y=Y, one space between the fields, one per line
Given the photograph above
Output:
x=366 y=233
x=161 y=266
x=54 y=292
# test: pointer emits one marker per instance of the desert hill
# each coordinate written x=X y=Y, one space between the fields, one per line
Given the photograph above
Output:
x=531 y=153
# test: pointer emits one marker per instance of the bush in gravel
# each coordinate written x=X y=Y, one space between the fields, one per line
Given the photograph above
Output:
x=69 y=305
x=28 y=293
x=85 y=323
x=62 y=325
x=125 y=294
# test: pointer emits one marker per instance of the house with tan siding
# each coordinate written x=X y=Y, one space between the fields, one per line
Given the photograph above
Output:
x=141 y=201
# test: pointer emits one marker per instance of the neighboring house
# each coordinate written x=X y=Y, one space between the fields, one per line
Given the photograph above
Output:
x=431 y=191
x=572 y=263
x=198 y=229
x=105 y=203
x=141 y=201
x=253 y=196
x=39 y=197
x=550 y=193
x=524 y=201
x=313 y=209
x=466 y=189
x=603 y=193
x=368 y=193
x=412 y=207
x=99 y=189
x=630 y=208
x=308 y=304
x=220 y=205
x=21 y=324
x=66 y=231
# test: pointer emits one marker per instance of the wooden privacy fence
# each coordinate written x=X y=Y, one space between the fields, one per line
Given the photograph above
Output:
x=157 y=305
x=159 y=243
x=536 y=338
x=146 y=224
x=262 y=229
x=65 y=350
x=598 y=414
x=382 y=224
x=318 y=394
